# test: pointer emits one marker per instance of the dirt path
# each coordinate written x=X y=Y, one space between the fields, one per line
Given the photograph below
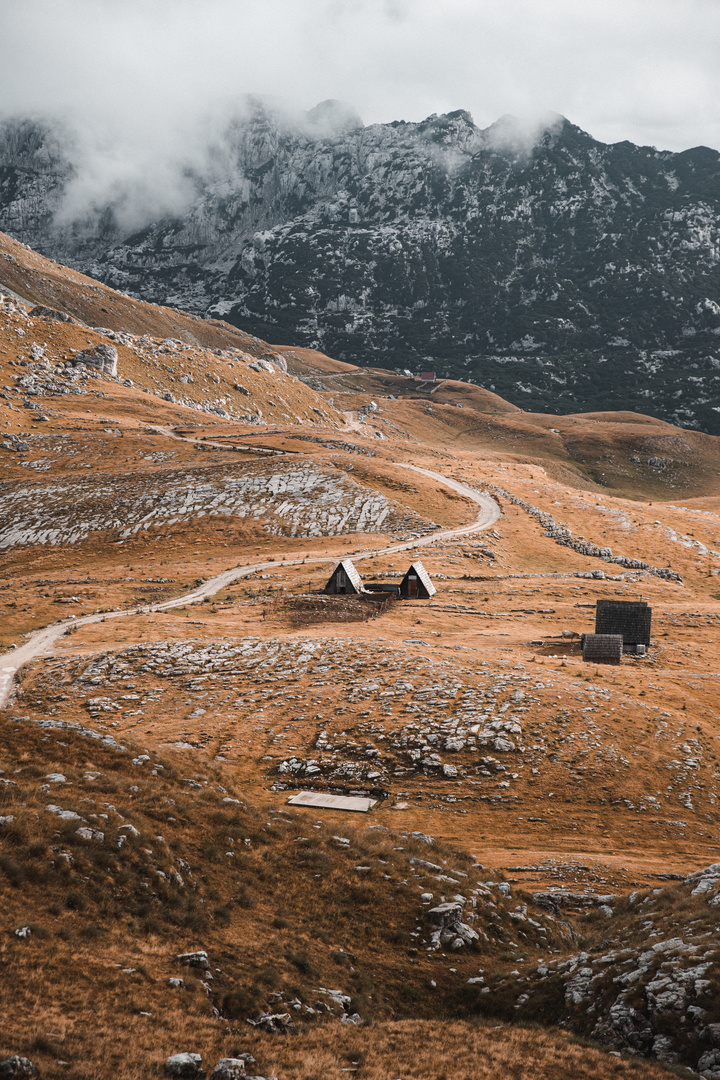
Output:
x=42 y=642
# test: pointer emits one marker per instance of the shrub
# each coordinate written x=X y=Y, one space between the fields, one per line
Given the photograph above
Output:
x=74 y=901
x=241 y=1002
x=300 y=962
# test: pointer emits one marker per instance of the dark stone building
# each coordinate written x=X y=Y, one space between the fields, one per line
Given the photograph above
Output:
x=602 y=648
x=629 y=618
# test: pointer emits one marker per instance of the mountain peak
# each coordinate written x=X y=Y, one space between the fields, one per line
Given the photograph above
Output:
x=333 y=117
x=517 y=136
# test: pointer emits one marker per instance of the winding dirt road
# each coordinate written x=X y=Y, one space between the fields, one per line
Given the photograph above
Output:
x=42 y=642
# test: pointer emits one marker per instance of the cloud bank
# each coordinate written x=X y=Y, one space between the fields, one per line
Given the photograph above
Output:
x=145 y=82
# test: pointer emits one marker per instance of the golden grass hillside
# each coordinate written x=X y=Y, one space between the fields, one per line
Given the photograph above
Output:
x=569 y=809
x=114 y=862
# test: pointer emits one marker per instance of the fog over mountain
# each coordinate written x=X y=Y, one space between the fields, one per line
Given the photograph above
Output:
x=435 y=209
x=564 y=273
x=141 y=87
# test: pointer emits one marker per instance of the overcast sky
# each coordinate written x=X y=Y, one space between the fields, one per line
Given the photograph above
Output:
x=139 y=77
x=646 y=70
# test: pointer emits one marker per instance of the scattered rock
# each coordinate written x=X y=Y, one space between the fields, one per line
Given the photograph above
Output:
x=16 y=1067
x=184 y=1065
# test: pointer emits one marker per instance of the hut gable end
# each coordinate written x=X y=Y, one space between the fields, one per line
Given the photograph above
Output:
x=345 y=579
x=417 y=584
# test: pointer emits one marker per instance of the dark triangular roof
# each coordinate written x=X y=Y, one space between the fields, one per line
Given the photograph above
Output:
x=351 y=573
x=419 y=569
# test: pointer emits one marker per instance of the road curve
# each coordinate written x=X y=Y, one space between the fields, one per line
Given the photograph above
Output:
x=42 y=642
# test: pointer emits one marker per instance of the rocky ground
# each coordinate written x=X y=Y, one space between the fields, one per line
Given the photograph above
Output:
x=543 y=849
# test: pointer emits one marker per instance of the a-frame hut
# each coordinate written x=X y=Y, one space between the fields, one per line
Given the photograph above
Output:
x=344 y=580
x=416 y=585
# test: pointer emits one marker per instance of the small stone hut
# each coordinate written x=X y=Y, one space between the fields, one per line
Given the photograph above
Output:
x=416 y=585
x=629 y=618
x=602 y=648
x=344 y=580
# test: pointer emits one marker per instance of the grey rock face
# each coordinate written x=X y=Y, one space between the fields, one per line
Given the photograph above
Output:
x=295 y=501
x=102 y=357
x=432 y=244
x=651 y=1002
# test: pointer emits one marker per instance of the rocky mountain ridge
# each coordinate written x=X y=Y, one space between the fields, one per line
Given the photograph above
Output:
x=563 y=272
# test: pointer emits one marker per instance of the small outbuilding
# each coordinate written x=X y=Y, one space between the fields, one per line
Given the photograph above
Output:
x=382 y=588
x=416 y=585
x=629 y=618
x=344 y=580
x=602 y=648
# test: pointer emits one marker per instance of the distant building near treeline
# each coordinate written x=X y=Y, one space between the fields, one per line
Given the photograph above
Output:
x=630 y=619
x=345 y=580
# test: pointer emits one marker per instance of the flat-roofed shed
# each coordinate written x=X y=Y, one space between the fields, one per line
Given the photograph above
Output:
x=344 y=580
x=416 y=585
x=602 y=648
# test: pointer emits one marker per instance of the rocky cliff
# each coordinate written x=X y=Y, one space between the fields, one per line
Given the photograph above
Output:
x=561 y=272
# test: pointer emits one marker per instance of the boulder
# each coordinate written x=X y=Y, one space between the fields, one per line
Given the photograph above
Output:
x=184 y=1065
x=42 y=312
x=449 y=929
x=273 y=1023
x=229 y=1069
x=278 y=361
x=85 y=833
x=16 y=1067
x=197 y=959
x=102 y=357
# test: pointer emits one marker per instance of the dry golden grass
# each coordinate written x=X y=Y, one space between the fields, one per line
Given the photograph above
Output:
x=288 y=911
x=427 y=1050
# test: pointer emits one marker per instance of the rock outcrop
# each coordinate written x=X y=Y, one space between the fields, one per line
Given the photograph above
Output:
x=102 y=357
x=480 y=253
x=448 y=928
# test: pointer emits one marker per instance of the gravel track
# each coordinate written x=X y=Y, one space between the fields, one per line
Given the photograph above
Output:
x=42 y=642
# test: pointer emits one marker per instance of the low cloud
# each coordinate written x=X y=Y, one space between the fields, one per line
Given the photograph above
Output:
x=146 y=88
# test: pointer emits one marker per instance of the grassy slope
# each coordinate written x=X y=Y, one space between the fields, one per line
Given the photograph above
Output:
x=280 y=914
